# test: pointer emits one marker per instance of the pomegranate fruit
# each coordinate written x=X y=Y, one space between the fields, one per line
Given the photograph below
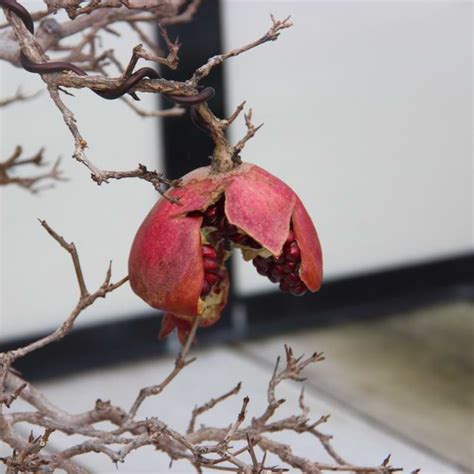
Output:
x=177 y=260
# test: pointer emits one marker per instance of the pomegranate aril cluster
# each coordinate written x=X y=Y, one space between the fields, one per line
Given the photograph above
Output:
x=285 y=268
x=213 y=274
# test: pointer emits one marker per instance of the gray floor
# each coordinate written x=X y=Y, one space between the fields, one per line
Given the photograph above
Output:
x=410 y=375
x=401 y=385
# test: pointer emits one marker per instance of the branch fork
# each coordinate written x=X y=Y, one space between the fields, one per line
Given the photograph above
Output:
x=225 y=157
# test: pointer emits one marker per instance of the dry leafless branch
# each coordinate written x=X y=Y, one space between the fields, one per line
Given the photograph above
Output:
x=209 y=448
x=19 y=96
x=102 y=15
x=85 y=300
x=32 y=182
x=204 y=448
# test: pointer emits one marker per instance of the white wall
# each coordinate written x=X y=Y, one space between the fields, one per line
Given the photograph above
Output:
x=38 y=287
x=367 y=111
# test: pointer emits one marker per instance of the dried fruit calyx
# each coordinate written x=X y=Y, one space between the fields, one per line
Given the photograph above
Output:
x=177 y=261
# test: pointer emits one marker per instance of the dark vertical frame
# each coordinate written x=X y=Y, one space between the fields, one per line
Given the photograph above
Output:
x=184 y=146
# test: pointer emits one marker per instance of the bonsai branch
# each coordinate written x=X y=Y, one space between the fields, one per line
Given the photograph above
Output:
x=204 y=448
x=180 y=364
x=271 y=35
x=225 y=156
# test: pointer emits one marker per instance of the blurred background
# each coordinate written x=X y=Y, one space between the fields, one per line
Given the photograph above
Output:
x=368 y=117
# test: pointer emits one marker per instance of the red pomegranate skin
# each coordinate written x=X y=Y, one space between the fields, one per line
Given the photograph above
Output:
x=177 y=259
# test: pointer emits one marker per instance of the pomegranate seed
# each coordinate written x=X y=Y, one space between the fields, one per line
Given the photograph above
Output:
x=209 y=251
x=290 y=267
x=292 y=252
x=282 y=269
x=299 y=290
x=280 y=260
x=262 y=271
x=272 y=279
x=211 y=212
x=261 y=262
x=277 y=272
x=206 y=288
x=211 y=266
x=292 y=280
x=238 y=238
x=211 y=278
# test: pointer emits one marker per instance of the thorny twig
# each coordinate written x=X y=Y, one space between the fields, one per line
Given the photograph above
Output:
x=251 y=131
x=225 y=156
x=131 y=433
x=199 y=410
x=97 y=20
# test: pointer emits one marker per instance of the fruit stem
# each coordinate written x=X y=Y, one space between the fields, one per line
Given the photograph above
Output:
x=222 y=156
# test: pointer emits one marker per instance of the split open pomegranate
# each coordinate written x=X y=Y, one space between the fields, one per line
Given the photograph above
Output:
x=177 y=260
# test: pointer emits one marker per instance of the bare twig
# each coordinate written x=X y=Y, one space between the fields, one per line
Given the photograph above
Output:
x=234 y=115
x=255 y=464
x=240 y=419
x=180 y=363
x=99 y=175
x=251 y=131
x=199 y=410
x=155 y=433
x=170 y=61
x=224 y=158
x=271 y=35
x=18 y=97
x=35 y=50
x=34 y=182
x=85 y=299
x=185 y=16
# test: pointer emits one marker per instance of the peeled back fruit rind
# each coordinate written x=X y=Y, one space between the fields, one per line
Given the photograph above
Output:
x=177 y=260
